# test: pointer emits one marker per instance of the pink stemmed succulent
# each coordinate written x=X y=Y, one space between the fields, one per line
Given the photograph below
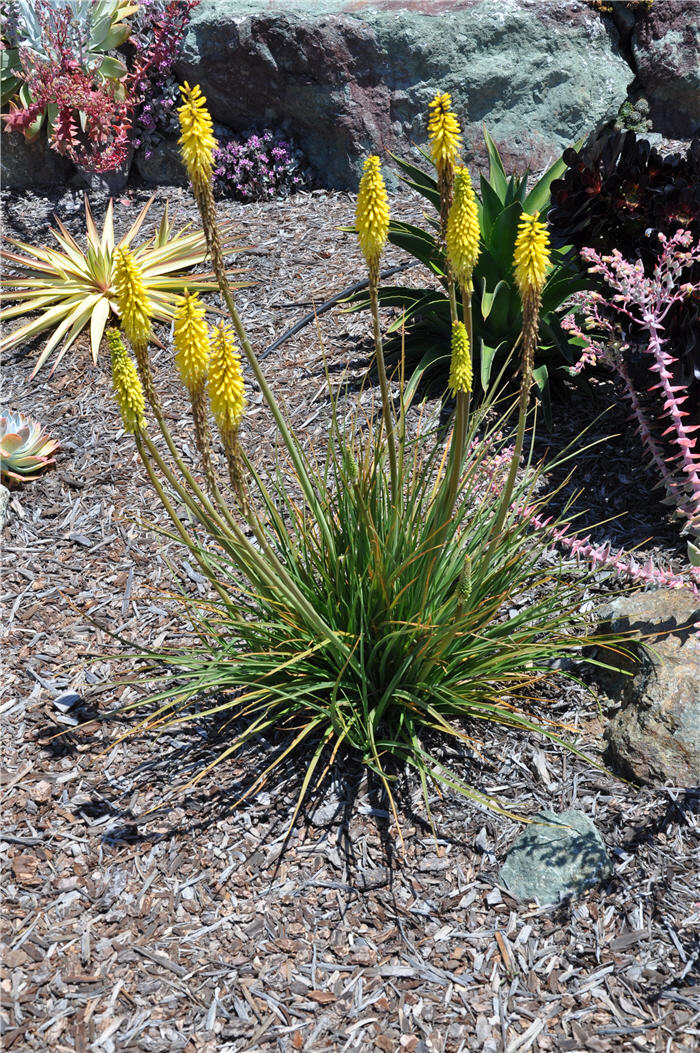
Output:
x=644 y=302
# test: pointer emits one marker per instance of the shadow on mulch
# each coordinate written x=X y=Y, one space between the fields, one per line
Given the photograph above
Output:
x=181 y=752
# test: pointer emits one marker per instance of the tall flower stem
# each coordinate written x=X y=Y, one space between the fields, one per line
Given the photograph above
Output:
x=266 y=567
x=197 y=143
x=372 y=223
x=530 y=262
x=387 y=414
x=460 y=382
x=468 y=325
x=287 y=437
x=142 y=447
x=452 y=293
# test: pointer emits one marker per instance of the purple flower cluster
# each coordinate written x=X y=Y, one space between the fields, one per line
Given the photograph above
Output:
x=258 y=168
x=158 y=30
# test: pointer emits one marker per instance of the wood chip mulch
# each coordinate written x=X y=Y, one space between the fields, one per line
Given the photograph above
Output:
x=135 y=919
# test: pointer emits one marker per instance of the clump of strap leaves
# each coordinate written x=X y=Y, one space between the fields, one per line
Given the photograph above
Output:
x=367 y=599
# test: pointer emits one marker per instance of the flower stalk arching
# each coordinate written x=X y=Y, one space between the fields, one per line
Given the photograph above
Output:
x=192 y=353
x=197 y=148
x=530 y=263
x=372 y=221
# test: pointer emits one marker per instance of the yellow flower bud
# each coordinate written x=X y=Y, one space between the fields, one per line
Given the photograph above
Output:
x=197 y=141
x=531 y=255
x=443 y=132
x=134 y=306
x=372 y=215
x=464 y=587
x=191 y=340
x=226 y=390
x=126 y=384
x=461 y=374
x=463 y=231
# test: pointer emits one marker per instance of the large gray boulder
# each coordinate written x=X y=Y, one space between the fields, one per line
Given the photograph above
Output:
x=24 y=165
x=655 y=737
x=352 y=79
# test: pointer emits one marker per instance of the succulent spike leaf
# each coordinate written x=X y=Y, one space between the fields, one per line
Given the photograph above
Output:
x=226 y=389
x=463 y=231
x=461 y=374
x=134 y=306
x=126 y=384
x=443 y=132
x=531 y=254
x=196 y=142
x=372 y=215
x=191 y=339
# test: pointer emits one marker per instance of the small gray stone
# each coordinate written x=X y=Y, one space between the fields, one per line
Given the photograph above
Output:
x=329 y=810
x=550 y=861
x=4 y=505
x=67 y=701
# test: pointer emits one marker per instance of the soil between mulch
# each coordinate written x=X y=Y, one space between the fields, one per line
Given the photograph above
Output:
x=198 y=928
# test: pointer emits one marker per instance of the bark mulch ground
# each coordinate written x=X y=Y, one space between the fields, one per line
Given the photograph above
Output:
x=137 y=919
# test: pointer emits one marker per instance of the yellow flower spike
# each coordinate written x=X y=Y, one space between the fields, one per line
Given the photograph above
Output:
x=197 y=141
x=134 y=305
x=372 y=214
x=226 y=389
x=461 y=374
x=443 y=133
x=191 y=339
x=464 y=587
x=531 y=255
x=463 y=232
x=126 y=384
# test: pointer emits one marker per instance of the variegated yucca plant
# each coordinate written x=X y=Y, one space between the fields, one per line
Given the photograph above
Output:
x=26 y=449
x=69 y=288
x=371 y=598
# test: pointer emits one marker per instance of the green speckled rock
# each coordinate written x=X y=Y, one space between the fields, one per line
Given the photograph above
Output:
x=550 y=861
x=353 y=78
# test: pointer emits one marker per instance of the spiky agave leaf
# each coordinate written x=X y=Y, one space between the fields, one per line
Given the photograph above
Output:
x=68 y=288
x=25 y=448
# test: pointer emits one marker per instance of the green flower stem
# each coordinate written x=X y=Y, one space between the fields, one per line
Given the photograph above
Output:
x=459 y=438
x=177 y=522
x=223 y=525
x=269 y=571
x=463 y=401
x=384 y=386
x=467 y=291
x=289 y=440
x=228 y=529
x=452 y=294
x=525 y=386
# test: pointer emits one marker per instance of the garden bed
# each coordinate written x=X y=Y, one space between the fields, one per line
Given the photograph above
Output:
x=196 y=927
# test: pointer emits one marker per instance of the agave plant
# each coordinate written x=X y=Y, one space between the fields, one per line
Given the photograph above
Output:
x=70 y=287
x=25 y=448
